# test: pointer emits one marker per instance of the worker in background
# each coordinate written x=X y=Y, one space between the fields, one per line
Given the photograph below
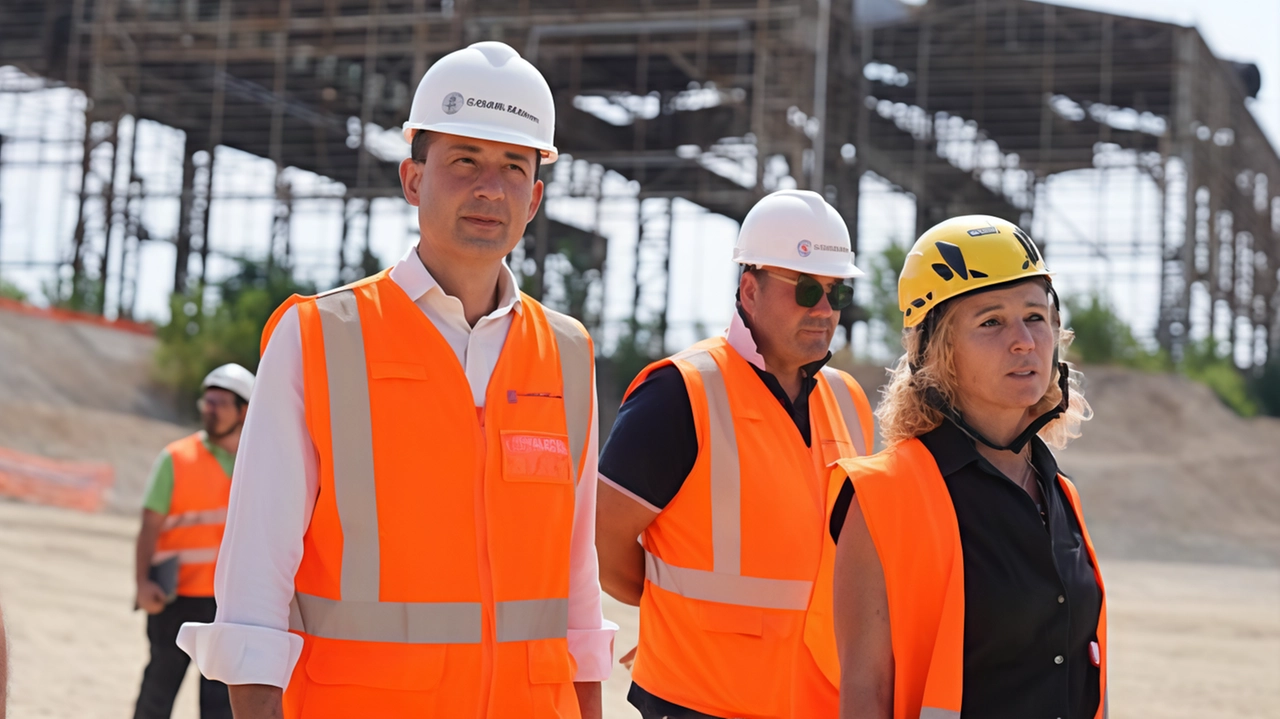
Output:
x=719 y=462
x=182 y=523
x=965 y=581
x=412 y=528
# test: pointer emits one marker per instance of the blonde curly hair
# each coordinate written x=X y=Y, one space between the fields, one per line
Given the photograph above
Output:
x=904 y=412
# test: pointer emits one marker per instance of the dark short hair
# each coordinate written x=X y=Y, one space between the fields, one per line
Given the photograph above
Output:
x=423 y=139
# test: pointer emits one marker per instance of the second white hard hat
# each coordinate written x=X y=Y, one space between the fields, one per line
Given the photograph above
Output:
x=796 y=230
x=231 y=377
x=486 y=91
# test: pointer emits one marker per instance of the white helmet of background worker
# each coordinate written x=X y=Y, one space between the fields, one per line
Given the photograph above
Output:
x=231 y=377
x=796 y=230
x=486 y=91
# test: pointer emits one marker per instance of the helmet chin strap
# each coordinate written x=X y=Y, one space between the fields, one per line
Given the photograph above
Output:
x=935 y=399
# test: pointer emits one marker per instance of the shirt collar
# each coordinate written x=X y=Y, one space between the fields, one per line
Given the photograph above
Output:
x=740 y=339
x=743 y=342
x=953 y=450
x=415 y=279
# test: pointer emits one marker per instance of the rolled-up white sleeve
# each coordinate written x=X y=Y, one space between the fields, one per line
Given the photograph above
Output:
x=590 y=634
x=273 y=491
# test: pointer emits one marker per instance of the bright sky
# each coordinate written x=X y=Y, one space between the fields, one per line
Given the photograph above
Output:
x=37 y=203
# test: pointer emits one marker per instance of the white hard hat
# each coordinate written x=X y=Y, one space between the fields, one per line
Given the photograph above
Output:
x=231 y=377
x=796 y=230
x=486 y=91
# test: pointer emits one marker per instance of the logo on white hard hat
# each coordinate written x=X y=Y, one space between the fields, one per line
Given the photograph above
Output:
x=804 y=248
x=452 y=103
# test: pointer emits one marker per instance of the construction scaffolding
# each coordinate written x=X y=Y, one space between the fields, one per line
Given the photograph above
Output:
x=967 y=106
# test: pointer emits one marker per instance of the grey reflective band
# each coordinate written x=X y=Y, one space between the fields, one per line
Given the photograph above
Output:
x=849 y=411
x=207 y=555
x=351 y=434
x=1106 y=703
x=936 y=713
x=193 y=519
x=728 y=588
x=392 y=622
x=726 y=479
x=530 y=619
x=575 y=376
x=426 y=622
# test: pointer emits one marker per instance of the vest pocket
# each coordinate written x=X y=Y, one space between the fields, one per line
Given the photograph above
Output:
x=535 y=457
x=551 y=672
x=550 y=662
x=397 y=370
x=731 y=619
x=409 y=667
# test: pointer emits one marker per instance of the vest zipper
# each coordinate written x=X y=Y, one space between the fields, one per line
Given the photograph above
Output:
x=488 y=633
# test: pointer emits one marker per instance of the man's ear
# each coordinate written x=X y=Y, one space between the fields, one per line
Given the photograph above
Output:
x=749 y=291
x=411 y=180
x=536 y=201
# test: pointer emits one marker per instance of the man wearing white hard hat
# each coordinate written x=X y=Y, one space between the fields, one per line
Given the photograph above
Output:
x=182 y=524
x=718 y=464
x=412 y=528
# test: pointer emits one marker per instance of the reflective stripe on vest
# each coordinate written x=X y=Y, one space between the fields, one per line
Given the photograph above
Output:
x=725 y=583
x=936 y=713
x=575 y=375
x=359 y=615
x=848 y=411
x=207 y=555
x=426 y=622
x=192 y=519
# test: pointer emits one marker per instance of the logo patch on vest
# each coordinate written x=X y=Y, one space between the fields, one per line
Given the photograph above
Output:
x=535 y=457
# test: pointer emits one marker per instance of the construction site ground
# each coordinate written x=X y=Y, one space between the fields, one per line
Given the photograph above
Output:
x=1182 y=497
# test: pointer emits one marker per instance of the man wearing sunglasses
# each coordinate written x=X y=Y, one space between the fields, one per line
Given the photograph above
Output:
x=718 y=464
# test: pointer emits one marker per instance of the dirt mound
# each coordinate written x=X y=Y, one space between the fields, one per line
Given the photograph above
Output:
x=77 y=390
x=1166 y=471
x=1169 y=472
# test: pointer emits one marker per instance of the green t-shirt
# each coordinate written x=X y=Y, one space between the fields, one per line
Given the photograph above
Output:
x=159 y=494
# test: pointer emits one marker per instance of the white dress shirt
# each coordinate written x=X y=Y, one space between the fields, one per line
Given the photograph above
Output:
x=274 y=491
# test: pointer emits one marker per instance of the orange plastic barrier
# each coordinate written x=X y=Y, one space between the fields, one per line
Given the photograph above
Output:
x=59 y=315
x=74 y=485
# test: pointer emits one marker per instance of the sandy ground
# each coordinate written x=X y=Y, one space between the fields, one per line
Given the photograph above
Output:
x=1189 y=640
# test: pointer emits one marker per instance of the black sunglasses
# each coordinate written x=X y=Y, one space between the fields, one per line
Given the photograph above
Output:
x=809 y=291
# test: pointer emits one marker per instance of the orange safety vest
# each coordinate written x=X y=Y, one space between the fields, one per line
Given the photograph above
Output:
x=912 y=522
x=192 y=531
x=732 y=560
x=434 y=578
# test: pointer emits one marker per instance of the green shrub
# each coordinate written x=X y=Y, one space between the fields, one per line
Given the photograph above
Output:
x=201 y=336
x=1202 y=363
x=10 y=291
x=1103 y=338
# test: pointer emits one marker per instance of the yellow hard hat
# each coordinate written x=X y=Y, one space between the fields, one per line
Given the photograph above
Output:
x=961 y=255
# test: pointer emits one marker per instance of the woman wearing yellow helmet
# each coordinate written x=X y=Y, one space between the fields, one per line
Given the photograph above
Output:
x=965 y=581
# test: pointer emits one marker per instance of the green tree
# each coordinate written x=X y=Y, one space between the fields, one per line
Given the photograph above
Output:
x=203 y=334
x=1103 y=338
x=10 y=291
x=886 y=267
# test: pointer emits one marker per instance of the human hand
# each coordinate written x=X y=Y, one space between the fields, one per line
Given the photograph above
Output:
x=150 y=597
